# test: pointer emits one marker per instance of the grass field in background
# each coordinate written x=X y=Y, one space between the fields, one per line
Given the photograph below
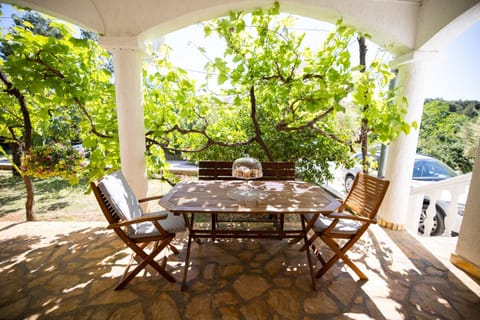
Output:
x=55 y=199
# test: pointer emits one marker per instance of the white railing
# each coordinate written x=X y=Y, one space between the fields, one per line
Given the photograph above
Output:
x=449 y=192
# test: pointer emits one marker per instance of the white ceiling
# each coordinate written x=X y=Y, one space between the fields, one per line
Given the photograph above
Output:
x=408 y=24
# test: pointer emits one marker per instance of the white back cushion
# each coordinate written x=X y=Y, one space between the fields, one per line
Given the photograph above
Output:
x=116 y=189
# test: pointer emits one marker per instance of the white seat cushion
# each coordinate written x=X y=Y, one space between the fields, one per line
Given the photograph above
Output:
x=343 y=226
x=173 y=223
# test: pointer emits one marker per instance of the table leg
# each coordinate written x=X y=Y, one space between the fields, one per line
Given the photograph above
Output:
x=282 y=226
x=307 y=250
x=214 y=225
x=187 y=262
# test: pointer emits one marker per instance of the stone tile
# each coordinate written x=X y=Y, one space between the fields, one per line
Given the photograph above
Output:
x=344 y=290
x=209 y=271
x=128 y=311
x=282 y=282
x=246 y=256
x=120 y=297
x=163 y=306
x=15 y=309
x=250 y=286
x=61 y=282
x=225 y=298
x=429 y=300
x=231 y=270
x=229 y=313
x=199 y=308
x=319 y=303
x=285 y=302
x=275 y=265
x=72 y=276
x=256 y=309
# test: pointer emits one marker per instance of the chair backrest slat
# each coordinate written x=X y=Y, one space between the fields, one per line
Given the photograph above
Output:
x=107 y=209
x=366 y=195
x=284 y=170
x=213 y=170
x=222 y=170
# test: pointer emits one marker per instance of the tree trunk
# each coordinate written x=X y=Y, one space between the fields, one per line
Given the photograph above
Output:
x=256 y=125
x=27 y=138
x=364 y=129
x=16 y=157
x=30 y=199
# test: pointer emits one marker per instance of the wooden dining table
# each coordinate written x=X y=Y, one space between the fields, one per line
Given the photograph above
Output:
x=213 y=197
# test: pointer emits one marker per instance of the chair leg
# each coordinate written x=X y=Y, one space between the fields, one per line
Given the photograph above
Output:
x=340 y=253
x=317 y=253
x=309 y=242
x=173 y=248
x=148 y=259
x=359 y=273
x=139 y=259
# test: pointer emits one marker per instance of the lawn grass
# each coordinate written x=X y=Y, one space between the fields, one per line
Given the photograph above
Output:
x=55 y=199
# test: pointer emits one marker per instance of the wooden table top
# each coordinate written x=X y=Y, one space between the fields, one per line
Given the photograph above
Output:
x=212 y=196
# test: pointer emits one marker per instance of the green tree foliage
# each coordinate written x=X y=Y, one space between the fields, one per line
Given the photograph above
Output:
x=56 y=89
x=470 y=135
x=279 y=99
x=446 y=131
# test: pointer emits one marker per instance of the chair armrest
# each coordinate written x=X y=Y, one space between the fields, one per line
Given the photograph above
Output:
x=151 y=198
x=342 y=205
x=144 y=218
x=333 y=206
x=343 y=215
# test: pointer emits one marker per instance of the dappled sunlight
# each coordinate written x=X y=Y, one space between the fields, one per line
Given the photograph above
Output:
x=77 y=287
x=115 y=271
x=64 y=270
x=356 y=316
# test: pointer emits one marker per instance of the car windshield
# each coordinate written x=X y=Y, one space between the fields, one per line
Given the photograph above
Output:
x=431 y=170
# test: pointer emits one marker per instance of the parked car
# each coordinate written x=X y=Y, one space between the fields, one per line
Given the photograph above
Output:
x=425 y=170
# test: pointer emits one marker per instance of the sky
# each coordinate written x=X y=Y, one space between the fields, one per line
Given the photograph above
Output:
x=453 y=75
x=456 y=74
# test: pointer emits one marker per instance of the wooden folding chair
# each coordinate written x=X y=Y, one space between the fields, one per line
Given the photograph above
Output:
x=349 y=222
x=136 y=229
x=272 y=170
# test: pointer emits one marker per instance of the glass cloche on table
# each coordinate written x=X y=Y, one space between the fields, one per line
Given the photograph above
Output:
x=246 y=168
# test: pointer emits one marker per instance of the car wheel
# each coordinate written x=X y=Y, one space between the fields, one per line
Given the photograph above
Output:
x=438 y=223
x=349 y=182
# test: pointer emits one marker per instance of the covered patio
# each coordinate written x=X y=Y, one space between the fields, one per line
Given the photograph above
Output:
x=416 y=31
x=67 y=270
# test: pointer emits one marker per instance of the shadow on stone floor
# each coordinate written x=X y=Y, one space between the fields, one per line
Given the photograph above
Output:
x=68 y=271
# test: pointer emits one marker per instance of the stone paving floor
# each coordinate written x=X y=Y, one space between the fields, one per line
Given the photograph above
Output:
x=67 y=270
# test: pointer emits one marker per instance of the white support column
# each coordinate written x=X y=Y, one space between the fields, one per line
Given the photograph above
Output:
x=401 y=153
x=467 y=252
x=127 y=59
